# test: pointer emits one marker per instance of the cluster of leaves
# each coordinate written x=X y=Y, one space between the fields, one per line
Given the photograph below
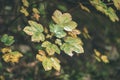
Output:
x=109 y=11
x=101 y=6
x=65 y=32
x=8 y=54
x=101 y=57
x=11 y=56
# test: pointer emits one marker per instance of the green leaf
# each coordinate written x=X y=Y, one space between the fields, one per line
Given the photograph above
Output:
x=35 y=30
x=72 y=44
x=62 y=7
x=7 y=40
x=57 y=30
x=50 y=48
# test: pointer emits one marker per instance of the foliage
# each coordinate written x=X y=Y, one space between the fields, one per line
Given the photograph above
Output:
x=11 y=56
x=35 y=30
x=52 y=35
x=63 y=25
x=101 y=6
x=7 y=40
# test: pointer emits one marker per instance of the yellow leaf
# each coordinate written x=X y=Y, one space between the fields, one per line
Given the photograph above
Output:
x=35 y=10
x=24 y=11
x=41 y=52
x=117 y=4
x=84 y=7
x=74 y=33
x=36 y=16
x=104 y=58
x=97 y=58
x=58 y=41
x=55 y=63
x=86 y=33
x=6 y=50
x=47 y=64
x=12 y=57
x=41 y=56
x=25 y=3
x=97 y=53
x=60 y=18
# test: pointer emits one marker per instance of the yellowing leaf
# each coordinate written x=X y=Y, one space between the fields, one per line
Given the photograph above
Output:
x=117 y=4
x=72 y=44
x=86 y=33
x=24 y=11
x=41 y=56
x=73 y=41
x=63 y=22
x=55 y=63
x=112 y=15
x=46 y=44
x=101 y=57
x=104 y=59
x=36 y=37
x=36 y=16
x=50 y=48
x=25 y=3
x=60 y=18
x=58 y=41
x=35 y=10
x=6 y=50
x=47 y=64
x=97 y=53
x=74 y=33
x=98 y=58
x=29 y=30
x=102 y=7
x=35 y=30
x=12 y=57
x=70 y=26
x=36 y=13
x=84 y=7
